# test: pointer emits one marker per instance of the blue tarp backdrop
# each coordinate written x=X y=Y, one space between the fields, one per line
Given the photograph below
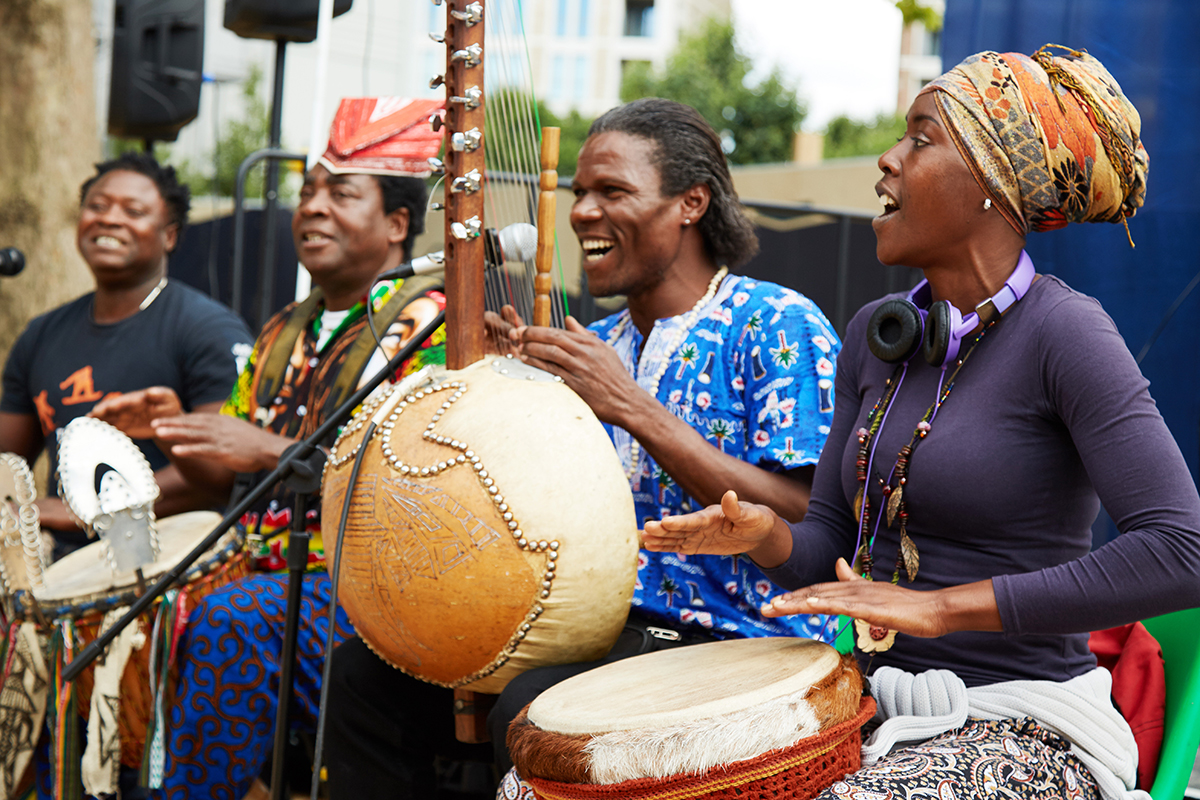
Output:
x=1149 y=47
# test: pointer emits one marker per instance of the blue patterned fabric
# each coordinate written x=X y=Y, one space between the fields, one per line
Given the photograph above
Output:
x=222 y=719
x=754 y=375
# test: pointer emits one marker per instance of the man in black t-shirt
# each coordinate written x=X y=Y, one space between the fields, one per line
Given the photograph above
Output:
x=137 y=329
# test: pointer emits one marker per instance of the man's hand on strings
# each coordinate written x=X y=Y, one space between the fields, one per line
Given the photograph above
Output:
x=237 y=444
x=726 y=529
x=586 y=364
x=501 y=330
x=886 y=605
x=133 y=413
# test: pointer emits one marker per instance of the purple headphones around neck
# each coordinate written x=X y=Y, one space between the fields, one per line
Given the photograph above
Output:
x=900 y=327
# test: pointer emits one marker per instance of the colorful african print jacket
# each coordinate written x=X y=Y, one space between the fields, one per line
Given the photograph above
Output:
x=754 y=376
x=299 y=405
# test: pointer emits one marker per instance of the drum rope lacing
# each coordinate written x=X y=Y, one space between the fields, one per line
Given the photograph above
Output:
x=463 y=455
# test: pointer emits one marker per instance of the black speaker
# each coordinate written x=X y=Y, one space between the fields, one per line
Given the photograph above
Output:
x=289 y=20
x=158 y=55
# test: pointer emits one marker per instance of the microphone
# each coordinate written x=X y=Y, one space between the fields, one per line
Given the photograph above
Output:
x=12 y=260
x=517 y=242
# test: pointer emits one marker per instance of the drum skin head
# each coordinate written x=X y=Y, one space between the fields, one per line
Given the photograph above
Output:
x=674 y=687
x=86 y=573
x=518 y=551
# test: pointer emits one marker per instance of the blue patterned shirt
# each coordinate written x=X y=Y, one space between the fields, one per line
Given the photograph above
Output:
x=754 y=375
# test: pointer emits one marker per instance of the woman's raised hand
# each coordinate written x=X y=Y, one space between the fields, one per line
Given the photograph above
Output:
x=725 y=529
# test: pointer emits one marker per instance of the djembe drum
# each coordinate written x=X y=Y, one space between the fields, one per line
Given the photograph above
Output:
x=490 y=531
x=108 y=486
x=745 y=718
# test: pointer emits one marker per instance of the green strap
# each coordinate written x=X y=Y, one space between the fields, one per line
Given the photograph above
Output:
x=360 y=352
x=272 y=370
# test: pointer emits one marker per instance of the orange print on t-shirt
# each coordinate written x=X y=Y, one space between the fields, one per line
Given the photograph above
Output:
x=82 y=388
x=45 y=412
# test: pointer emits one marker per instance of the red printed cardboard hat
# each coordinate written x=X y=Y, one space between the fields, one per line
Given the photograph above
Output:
x=383 y=136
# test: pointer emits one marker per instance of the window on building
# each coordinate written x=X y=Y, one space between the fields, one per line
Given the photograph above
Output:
x=639 y=17
x=583 y=17
x=581 y=79
x=560 y=24
x=933 y=43
x=557 y=80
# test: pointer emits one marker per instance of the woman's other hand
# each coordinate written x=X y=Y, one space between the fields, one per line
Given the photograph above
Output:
x=883 y=604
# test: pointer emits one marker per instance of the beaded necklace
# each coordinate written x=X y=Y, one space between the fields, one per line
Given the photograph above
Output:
x=678 y=335
x=872 y=638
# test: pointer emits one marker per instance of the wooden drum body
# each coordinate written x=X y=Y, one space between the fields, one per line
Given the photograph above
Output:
x=747 y=718
x=491 y=529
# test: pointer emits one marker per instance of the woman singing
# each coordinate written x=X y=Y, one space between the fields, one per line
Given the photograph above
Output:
x=980 y=422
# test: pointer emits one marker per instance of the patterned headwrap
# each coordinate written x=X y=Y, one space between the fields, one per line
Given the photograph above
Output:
x=1051 y=139
x=383 y=136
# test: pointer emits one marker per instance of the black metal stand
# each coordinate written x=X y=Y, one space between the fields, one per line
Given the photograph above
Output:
x=304 y=480
x=266 y=275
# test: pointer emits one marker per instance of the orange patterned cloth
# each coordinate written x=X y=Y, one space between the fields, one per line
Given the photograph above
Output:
x=384 y=136
x=1050 y=137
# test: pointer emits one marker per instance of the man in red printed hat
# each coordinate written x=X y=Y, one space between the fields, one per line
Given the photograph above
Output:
x=360 y=209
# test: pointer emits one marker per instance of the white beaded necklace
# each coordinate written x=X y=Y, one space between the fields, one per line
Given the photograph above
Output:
x=678 y=335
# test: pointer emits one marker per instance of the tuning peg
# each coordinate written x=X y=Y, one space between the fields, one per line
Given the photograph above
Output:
x=438 y=37
x=436 y=165
x=437 y=206
x=437 y=2
x=473 y=96
x=471 y=229
x=437 y=81
x=468 y=183
x=466 y=141
x=435 y=122
x=473 y=15
x=470 y=55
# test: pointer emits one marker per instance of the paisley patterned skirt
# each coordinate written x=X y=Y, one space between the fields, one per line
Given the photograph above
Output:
x=997 y=759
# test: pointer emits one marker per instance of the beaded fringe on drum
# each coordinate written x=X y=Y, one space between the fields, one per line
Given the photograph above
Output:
x=23 y=694
x=799 y=772
x=62 y=716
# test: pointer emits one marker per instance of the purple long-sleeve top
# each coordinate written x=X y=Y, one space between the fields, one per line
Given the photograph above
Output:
x=1049 y=418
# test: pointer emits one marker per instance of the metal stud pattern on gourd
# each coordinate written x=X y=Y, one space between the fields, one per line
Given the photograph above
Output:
x=463 y=456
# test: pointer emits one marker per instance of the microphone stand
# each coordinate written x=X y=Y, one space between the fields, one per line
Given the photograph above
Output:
x=300 y=469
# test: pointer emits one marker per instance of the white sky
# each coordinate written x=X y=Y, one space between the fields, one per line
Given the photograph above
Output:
x=842 y=55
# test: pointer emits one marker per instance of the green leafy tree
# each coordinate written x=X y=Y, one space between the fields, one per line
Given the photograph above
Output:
x=846 y=137
x=915 y=11
x=757 y=122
